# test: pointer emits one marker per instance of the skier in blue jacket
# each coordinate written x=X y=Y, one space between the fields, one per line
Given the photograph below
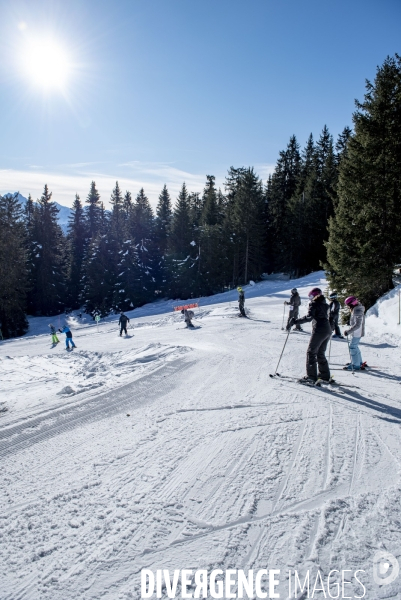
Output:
x=68 y=337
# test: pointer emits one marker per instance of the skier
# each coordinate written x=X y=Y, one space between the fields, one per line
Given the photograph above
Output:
x=68 y=337
x=334 y=313
x=294 y=304
x=241 y=301
x=357 y=329
x=188 y=316
x=53 y=333
x=321 y=331
x=123 y=323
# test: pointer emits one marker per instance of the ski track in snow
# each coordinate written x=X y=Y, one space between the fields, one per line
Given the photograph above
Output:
x=174 y=449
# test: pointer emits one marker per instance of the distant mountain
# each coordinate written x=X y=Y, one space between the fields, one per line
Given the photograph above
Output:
x=64 y=211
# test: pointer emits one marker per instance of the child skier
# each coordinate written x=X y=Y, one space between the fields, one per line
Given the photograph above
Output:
x=53 y=333
x=318 y=313
x=334 y=313
x=241 y=301
x=357 y=329
x=188 y=316
x=294 y=304
x=123 y=323
x=68 y=337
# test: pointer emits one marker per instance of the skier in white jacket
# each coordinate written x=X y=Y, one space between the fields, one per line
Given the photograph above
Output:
x=357 y=330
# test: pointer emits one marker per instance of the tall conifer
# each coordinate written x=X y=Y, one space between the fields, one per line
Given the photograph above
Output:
x=365 y=232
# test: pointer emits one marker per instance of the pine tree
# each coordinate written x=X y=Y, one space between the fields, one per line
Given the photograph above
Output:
x=93 y=211
x=128 y=293
x=142 y=231
x=164 y=215
x=182 y=248
x=77 y=241
x=99 y=277
x=117 y=214
x=29 y=209
x=13 y=270
x=281 y=189
x=365 y=232
x=47 y=259
x=210 y=243
x=210 y=215
x=180 y=237
x=248 y=217
x=126 y=212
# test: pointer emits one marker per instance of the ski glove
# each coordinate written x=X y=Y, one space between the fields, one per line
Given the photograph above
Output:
x=346 y=332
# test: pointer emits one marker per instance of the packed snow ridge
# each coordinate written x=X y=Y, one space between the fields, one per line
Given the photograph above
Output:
x=173 y=449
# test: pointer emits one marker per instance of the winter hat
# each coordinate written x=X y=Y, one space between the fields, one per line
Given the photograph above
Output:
x=294 y=291
x=351 y=301
x=333 y=295
x=182 y=312
x=313 y=293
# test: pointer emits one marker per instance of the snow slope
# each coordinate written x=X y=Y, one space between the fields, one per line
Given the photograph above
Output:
x=174 y=449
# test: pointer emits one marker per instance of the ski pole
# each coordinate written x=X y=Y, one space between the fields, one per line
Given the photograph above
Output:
x=282 y=324
x=282 y=352
x=329 y=351
x=349 y=350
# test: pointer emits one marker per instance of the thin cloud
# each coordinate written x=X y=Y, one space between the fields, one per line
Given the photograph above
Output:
x=65 y=186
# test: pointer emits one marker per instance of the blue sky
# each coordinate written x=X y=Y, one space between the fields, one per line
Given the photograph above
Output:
x=162 y=91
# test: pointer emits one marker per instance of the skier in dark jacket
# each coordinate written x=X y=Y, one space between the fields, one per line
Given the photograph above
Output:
x=123 y=323
x=294 y=305
x=241 y=301
x=68 y=337
x=334 y=313
x=318 y=313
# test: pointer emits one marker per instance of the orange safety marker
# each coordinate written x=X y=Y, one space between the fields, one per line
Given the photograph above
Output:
x=186 y=306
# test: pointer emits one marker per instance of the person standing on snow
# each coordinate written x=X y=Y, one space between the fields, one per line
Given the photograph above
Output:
x=53 y=333
x=318 y=313
x=294 y=305
x=188 y=316
x=123 y=323
x=241 y=301
x=334 y=313
x=68 y=337
x=357 y=329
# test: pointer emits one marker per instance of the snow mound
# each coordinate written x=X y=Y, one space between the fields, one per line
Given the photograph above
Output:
x=66 y=390
x=383 y=317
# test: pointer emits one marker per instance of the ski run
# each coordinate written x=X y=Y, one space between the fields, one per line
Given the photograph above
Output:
x=174 y=449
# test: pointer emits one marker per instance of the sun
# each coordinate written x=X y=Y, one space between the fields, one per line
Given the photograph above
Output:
x=46 y=64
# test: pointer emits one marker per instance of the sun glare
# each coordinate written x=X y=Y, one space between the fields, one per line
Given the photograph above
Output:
x=46 y=64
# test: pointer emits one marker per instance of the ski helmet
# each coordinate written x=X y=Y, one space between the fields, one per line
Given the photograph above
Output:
x=333 y=295
x=294 y=291
x=351 y=301
x=239 y=289
x=315 y=292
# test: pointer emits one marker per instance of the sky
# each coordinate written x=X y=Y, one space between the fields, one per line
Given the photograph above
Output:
x=167 y=91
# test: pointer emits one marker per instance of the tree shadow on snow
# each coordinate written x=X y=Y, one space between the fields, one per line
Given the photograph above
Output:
x=382 y=375
x=384 y=345
x=380 y=407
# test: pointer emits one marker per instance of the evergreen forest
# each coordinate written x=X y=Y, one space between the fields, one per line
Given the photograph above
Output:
x=333 y=204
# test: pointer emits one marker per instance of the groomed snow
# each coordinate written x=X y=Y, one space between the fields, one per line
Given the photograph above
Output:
x=175 y=449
